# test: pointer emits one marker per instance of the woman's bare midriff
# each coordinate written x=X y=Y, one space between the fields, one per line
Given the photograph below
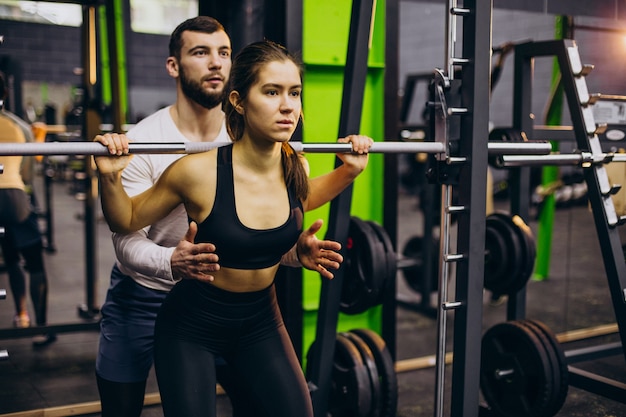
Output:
x=244 y=280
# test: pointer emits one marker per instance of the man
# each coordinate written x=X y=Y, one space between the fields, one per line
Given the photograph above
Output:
x=151 y=261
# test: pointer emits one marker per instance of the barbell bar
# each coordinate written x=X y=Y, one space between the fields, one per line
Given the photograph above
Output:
x=95 y=148
x=581 y=158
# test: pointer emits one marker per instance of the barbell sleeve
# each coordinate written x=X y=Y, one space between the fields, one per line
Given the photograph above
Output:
x=95 y=148
x=582 y=158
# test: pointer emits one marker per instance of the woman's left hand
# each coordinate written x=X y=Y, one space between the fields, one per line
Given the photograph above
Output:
x=360 y=149
x=318 y=255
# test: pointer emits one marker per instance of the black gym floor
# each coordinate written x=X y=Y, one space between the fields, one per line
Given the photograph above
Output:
x=59 y=379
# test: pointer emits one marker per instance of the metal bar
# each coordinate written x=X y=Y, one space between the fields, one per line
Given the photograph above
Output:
x=605 y=387
x=559 y=159
x=521 y=148
x=593 y=352
x=13 y=333
x=555 y=159
x=94 y=148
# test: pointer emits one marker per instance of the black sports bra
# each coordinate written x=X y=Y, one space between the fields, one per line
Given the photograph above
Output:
x=237 y=245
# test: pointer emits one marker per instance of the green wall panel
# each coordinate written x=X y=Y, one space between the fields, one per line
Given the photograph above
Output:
x=326 y=26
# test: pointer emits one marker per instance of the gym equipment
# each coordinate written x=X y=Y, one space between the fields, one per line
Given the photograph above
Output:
x=509 y=253
x=367 y=268
x=364 y=381
x=412 y=265
x=523 y=371
x=94 y=148
x=509 y=256
x=386 y=371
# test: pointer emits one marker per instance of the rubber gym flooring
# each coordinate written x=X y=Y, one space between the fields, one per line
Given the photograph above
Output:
x=59 y=379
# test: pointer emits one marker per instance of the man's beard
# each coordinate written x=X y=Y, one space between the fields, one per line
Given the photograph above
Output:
x=194 y=90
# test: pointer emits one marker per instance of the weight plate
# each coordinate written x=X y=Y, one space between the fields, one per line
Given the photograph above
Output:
x=559 y=366
x=370 y=363
x=386 y=371
x=495 y=252
x=414 y=275
x=516 y=374
x=548 y=350
x=351 y=392
x=527 y=250
x=390 y=255
x=511 y=256
x=365 y=264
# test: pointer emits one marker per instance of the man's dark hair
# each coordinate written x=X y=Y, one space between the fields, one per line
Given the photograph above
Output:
x=204 y=24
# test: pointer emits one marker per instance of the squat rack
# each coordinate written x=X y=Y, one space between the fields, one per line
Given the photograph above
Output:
x=592 y=158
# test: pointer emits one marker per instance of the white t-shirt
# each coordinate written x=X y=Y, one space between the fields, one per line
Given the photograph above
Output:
x=145 y=255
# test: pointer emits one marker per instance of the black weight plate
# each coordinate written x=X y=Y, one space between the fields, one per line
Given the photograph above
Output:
x=364 y=262
x=370 y=363
x=552 y=360
x=527 y=253
x=414 y=275
x=495 y=252
x=381 y=263
x=386 y=370
x=390 y=255
x=526 y=234
x=515 y=375
x=351 y=393
x=511 y=260
x=559 y=364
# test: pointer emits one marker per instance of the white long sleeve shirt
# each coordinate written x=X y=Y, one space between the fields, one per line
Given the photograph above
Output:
x=145 y=255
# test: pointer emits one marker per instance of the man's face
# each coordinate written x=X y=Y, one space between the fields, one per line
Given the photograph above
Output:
x=204 y=67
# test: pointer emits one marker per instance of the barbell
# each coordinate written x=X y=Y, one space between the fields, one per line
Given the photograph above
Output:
x=95 y=148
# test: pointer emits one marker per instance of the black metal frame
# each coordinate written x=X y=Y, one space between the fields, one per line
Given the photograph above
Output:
x=605 y=218
x=472 y=189
x=355 y=74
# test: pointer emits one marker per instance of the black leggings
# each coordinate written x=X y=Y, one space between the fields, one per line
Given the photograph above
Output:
x=125 y=399
x=198 y=321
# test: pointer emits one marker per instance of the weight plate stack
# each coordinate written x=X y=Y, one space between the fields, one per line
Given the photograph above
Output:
x=509 y=253
x=366 y=266
x=370 y=363
x=527 y=251
x=516 y=376
x=414 y=274
x=386 y=371
x=390 y=256
x=364 y=382
x=558 y=362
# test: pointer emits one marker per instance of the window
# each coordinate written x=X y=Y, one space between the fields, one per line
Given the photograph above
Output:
x=160 y=16
x=62 y=14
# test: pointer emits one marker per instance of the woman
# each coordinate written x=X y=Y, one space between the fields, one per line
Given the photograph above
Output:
x=260 y=188
x=21 y=240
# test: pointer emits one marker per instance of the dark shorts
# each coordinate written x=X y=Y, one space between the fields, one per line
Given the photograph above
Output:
x=18 y=219
x=127 y=330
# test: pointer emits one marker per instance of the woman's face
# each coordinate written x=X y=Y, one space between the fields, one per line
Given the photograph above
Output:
x=273 y=105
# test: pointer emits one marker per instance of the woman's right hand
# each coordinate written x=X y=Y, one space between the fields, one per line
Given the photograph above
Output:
x=118 y=150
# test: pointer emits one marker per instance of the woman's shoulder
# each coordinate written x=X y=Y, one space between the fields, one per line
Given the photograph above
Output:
x=197 y=164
